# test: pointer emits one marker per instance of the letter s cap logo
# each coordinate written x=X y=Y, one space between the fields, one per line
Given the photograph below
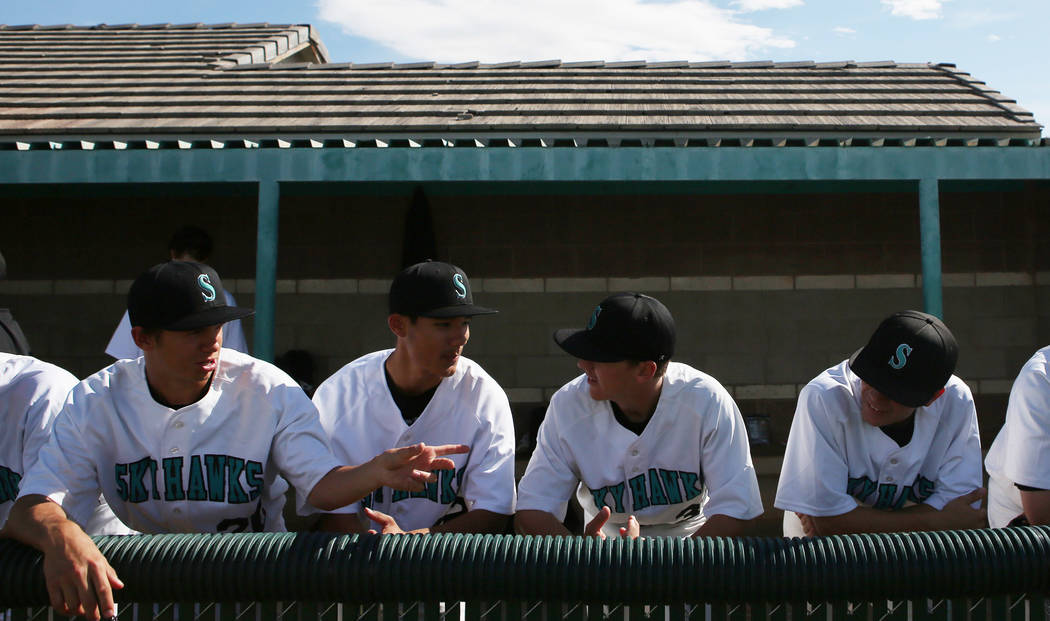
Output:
x=207 y=291
x=461 y=287
x=900 y=358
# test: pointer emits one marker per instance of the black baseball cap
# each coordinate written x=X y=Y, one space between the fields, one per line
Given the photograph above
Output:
x=909 y=358
x=434 y=289
x=625 y=326
x=180 y=295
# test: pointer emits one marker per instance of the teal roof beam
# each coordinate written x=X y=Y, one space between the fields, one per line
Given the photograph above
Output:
x=526 y=164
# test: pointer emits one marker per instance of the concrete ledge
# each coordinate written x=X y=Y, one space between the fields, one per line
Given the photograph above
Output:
x=957 y=280
x=373 y=286
x=763 y=283
x=885 y=281
x=525 y=395
x=648 y=284
x=27 y=287
x=767 y=391
x=993 y=387
x=833 y=281
x=1042 y=278
x=576 y=285
x=82 y=287
x=701 y=283
x=284 y=286
x=1003 y=279
x=332 y=285
x=510 y=285
x=245 y=285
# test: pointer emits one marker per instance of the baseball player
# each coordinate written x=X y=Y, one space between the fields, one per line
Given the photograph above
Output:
x=424 y=390
x=638 y=436
x=1017 y=463
x=885 y=441
x=186 y=438
x=32 y=392
x=190 y=243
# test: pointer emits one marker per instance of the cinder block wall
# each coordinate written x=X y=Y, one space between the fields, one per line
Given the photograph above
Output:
x=767 y=290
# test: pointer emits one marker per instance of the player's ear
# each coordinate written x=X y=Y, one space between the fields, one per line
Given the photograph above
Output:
x=143 y=338
x=646 y=369
x=397 y=324
x=936 y=396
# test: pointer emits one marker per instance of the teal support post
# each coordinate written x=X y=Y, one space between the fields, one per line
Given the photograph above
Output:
x=266 y=269
x=930 y=236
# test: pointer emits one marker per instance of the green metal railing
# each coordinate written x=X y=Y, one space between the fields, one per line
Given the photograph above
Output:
x=1001 y=573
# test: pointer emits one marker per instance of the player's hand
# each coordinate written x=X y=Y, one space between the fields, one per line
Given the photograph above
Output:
x=809 y=525
x=409 y=467
x=80 y=581
x=387 y=524
x=594 y=527
x=632 y=530
x=959 y=515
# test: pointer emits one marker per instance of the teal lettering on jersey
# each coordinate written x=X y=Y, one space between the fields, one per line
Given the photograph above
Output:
x=219 y=480
x=670 y=479
x=137 y=472
x=120 y=473
x=442 y=491
x=655 y=487
x=237 y=495
x=253 y=472
x=692 y=484
x=638 y=492
x=889 y=496
x=195 y=488
x=173 y=479
x=9 y=480
x=216 y=467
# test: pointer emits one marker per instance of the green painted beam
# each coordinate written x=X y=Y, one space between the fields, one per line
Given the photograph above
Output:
x=266 y=270
x=526 y=164
x=930 y=236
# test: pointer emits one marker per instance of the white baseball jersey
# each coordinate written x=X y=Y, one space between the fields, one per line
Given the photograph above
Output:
x=361 y=419
x=203 y=468
x=1021 y=451
x=691 y=461
x=121 y=345
x=834 y=461
x=32 y=393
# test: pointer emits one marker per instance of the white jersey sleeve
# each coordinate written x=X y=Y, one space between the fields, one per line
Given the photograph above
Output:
x=32 y=393
x=725 y=461
x=960 y=470
x=552 y=475
x=1020 y=453
x=814 y=473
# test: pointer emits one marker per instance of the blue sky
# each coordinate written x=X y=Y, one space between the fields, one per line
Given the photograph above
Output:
x=1003 y=43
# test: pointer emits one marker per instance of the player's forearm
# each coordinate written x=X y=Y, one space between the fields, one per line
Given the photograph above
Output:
x=38 y=522
x=533 y=522
x=474 y=521
x=344 y=485
x=1036 y=505
x=918 y=517
x=723 y=526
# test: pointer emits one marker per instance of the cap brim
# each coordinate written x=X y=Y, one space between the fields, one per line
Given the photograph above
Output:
x=884 y=383
x=459 y=310
x=210 y=317
x=578 y=344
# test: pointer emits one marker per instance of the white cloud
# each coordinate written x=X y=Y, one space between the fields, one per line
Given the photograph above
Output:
x=915 y=9
x=762 y=5
x=502 y=30
x=843 y=31
x=992 y=38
